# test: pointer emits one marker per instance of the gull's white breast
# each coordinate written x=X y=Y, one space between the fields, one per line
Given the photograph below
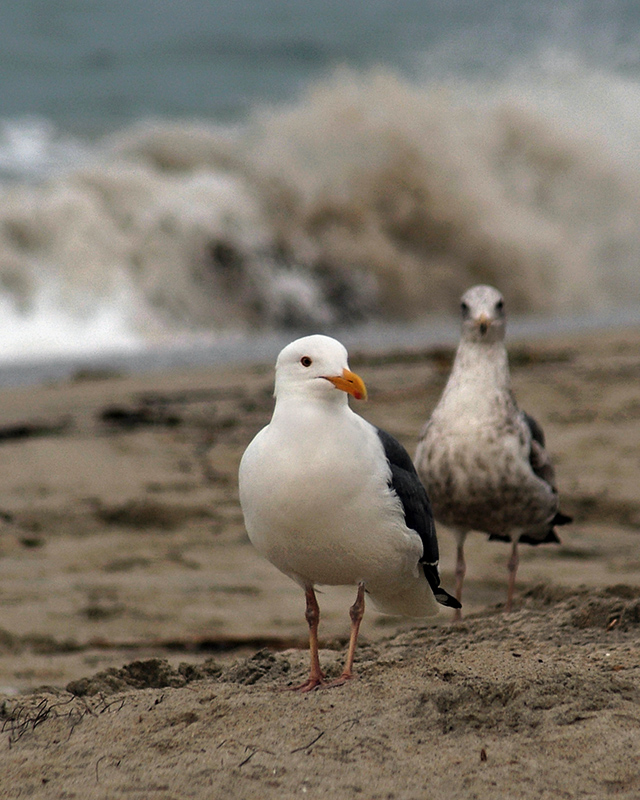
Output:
x=314 y=492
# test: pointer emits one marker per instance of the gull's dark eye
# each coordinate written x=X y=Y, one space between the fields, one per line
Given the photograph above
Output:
x=306 y=361
x=499 y=305
x=465 y=308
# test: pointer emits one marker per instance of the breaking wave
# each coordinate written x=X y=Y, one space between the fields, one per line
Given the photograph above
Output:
x=371 y=197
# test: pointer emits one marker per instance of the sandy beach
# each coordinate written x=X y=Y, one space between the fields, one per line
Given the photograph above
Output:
x=144 y=643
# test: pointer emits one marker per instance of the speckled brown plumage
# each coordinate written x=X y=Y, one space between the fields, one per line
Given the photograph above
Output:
x=481 y=458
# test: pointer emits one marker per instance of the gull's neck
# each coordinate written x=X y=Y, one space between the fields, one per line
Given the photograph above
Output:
x=299 y=406
x=480 y=372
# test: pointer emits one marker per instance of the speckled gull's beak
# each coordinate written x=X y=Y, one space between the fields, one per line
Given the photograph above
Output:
x=349 y=382
x=483 y=322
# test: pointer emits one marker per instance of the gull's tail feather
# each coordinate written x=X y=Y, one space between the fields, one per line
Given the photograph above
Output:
x=561 y=519
x=442 y=596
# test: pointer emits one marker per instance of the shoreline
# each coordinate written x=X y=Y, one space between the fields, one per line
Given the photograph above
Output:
x=194 y=351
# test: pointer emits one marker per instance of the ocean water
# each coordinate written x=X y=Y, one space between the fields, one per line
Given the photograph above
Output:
x=176 y=178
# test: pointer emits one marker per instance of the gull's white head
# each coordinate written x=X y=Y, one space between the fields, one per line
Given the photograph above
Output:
x=315 y=366
x=483 y=317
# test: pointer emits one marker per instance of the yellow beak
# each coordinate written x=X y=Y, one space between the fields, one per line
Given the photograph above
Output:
x=349 y=382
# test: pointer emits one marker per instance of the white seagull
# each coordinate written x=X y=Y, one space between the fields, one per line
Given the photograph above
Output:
x=481 y=458
x=330 y=499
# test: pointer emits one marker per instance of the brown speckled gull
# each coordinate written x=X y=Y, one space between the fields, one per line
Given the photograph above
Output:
x=483 y=460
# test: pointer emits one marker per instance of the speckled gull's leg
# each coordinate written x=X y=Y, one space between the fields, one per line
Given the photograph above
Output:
x=461 y=571
x=514 y=560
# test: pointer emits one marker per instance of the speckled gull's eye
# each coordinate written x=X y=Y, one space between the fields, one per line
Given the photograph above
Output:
x=499 y=305
x=306 y=361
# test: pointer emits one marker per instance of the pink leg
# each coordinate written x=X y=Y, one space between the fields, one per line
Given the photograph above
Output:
x=514 y=560
x=316 y=675
x=356 y=612
x=461 y=571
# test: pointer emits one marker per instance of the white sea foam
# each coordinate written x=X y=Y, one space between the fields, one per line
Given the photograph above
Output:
x=49 y=329
x=370 y=197
x=31 y=148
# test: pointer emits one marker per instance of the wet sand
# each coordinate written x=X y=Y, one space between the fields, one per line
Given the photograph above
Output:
x=143 y=642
